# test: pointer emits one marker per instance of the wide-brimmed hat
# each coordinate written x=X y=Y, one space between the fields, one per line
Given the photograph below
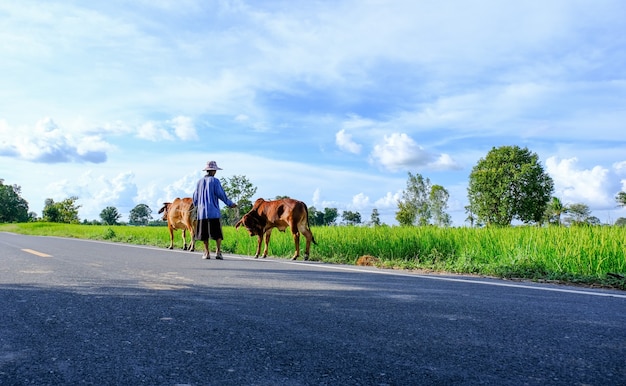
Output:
x=212 y=165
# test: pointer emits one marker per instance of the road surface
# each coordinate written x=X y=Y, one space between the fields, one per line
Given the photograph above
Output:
x=94 y=313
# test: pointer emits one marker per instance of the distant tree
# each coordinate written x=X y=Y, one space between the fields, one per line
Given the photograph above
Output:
x=414 y=207
x=351 y=217
x=438 y=200
x=316 y=217
x=110 y=215
x=580 y=214
x=555 y=210
x=471 y=216
x=322 y=218
x=423 y=203
x=330 y=216
x=13 y=208
x=140 y=215
x=621 y=198
x=620 y=222
x=240 y=190
x=375 y=217
x=65 y=211
x=509 y=183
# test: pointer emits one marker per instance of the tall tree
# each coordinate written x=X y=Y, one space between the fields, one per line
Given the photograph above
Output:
x=438 y=199
x=140 y=215
x=13 y=208
x=414 y=207
x=509 y=183
x=555 y=210
x=65 y=211
x=375 y=217
x=110 y=215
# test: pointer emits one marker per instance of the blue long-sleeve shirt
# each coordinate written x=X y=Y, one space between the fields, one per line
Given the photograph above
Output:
x=206 y=198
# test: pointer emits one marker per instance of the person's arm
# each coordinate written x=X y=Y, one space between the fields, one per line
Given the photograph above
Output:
x=222 y=195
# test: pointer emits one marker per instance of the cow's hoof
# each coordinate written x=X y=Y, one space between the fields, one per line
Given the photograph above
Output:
x=170 y=247
x=294 y=258
x=256 y=257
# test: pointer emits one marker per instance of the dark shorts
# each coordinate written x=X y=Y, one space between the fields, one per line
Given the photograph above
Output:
x=209 y=229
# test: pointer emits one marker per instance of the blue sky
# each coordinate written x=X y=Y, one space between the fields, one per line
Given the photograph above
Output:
x=329 y=102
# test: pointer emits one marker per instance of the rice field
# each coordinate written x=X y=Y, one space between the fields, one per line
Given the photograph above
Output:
x=578 y=255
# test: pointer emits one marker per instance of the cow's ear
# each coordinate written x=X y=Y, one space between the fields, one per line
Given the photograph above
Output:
x=238 y=224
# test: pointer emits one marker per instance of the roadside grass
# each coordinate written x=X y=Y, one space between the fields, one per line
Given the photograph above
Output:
x=590 y=256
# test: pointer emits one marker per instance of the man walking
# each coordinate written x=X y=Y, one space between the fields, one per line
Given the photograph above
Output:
x=206 y=200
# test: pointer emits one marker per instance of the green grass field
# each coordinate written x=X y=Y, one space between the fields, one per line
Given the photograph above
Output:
x=593 y=256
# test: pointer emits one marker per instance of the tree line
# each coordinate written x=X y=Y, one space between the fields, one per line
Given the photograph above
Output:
x=507 y=185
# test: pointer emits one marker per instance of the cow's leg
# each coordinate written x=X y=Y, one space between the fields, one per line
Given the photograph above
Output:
x=308 y=235
x=258 y=247
x=184 y=239
x=171 y=238
x=192 y=246
x=268 y=234
x=296 y=240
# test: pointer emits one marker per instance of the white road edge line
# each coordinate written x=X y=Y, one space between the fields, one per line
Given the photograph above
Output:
x=380 y=272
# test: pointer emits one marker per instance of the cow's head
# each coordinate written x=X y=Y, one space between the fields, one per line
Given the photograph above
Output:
x=164 y=209
x=253 y=223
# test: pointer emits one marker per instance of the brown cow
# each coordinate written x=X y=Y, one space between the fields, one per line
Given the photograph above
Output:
x=181 y=214
x=283 y=213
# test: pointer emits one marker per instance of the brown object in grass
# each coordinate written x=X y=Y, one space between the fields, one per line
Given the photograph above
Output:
x=367 y=260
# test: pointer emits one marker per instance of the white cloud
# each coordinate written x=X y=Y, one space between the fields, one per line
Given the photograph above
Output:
x=390 y=200
x=573 y=185
x=345 y=142
x=399 y=151
x=153 y=132
x=47 y=142
x=184 y=128
x=317 y=194
x=360 y=201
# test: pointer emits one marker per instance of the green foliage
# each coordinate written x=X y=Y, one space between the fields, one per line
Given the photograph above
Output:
x=423 y=203
x=240 y=191
x=110 y=215
x=325 y=218
x=555 y=210
x=140 y=215
x=109 y=234
x=580 y=214
x=438 y=200
x=509 y=183
x=351 y=218
x=13 y=208
x=65 y=211
x=375 y=218
x=621 y=198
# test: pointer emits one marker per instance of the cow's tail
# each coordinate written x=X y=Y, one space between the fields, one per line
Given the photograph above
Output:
x=306 y=208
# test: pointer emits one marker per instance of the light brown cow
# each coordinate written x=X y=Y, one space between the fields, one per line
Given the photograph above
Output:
x=283 y=213
x=181 y=214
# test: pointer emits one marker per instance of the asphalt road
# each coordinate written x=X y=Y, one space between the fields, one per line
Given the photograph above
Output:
x=76 y=312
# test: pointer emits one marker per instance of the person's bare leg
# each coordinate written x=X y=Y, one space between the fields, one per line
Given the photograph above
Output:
x=207 y=254
x=218 y=250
